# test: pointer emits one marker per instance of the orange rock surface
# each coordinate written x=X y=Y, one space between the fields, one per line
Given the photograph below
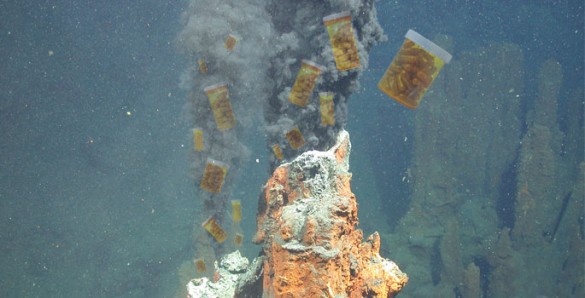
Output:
x=307 y=222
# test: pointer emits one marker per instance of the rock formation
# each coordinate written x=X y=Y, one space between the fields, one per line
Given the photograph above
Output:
x=496 y=204
x=307 y=224
x=548 y=221
x=466 y=137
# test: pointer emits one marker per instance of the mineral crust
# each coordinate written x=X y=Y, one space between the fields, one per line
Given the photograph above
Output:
x=307 y=224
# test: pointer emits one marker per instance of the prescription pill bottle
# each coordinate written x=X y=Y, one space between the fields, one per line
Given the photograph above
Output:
x=342 y=40
x=213 y=176
x=202 y=66
x=236 y=210
x=413 y=70
x=230 y=43
x=198 y=139
x=220 y=104
x=277 y=151
x=212 y=227
x=305 y=82
x=238 y=239
x=327 y=108
x=295 y=138
x=200 y=265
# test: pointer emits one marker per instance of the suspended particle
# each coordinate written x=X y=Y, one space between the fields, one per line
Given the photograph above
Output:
x=295 y=138
x=304 y=83
x=213 y=228
x=200 y=265
x=277 y=151
x=219 y=100
x=238 y=239
x=198 y=139
x=230 y=43
x=327 y=109
x=236 y=211
x=213 y=176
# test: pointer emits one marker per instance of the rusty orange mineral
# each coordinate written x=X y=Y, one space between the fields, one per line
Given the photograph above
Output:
x=311 y=243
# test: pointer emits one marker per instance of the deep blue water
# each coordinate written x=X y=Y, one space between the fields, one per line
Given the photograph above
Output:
x=544 y=30
x=96 y=198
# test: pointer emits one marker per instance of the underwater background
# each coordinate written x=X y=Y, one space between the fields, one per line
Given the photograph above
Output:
x=98 y=196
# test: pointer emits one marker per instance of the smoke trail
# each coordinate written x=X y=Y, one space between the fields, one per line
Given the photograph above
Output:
x=273 y=37
x=299 y=27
